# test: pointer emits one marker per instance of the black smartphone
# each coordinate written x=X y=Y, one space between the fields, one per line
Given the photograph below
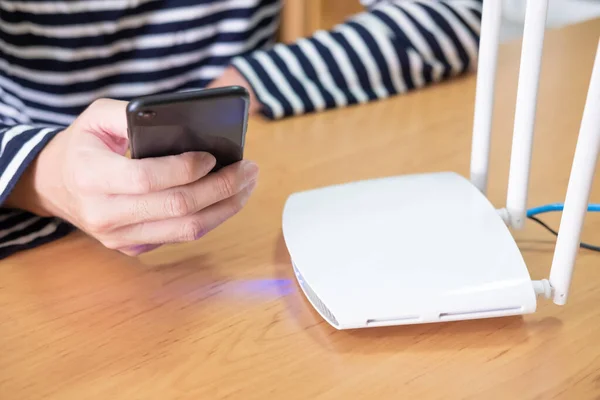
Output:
x=207 y=120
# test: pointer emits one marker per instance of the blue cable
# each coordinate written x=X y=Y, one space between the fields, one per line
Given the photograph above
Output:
x=557 y=207
x=532 y=212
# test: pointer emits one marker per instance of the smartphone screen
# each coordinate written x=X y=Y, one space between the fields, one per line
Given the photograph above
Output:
x=212 y=121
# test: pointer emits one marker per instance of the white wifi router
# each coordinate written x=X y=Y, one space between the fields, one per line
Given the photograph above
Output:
x=431 y=247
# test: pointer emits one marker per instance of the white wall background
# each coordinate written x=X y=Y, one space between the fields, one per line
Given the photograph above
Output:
x=560 y=13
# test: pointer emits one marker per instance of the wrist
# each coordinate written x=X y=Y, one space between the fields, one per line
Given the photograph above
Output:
x=28 y=192
x=24 y=196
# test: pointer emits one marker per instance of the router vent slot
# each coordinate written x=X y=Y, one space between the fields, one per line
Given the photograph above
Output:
x=315 y=300
x=393 y=321
x=480 y=313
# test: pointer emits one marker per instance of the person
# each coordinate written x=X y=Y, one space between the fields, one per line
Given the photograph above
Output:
x=67 y=69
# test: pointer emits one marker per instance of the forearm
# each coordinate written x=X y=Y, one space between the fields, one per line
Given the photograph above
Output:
x=20 y=146
x=393 y=48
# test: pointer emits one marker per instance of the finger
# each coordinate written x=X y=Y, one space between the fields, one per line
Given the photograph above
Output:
x=185 y=200
x=183 y=229
x=111 y=173
x=116 y=175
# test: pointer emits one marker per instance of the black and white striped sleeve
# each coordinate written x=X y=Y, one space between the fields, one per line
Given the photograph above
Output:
x=21 y=230
x=391 y=48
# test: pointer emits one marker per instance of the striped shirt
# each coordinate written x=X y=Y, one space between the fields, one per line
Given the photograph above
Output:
x=57 y=57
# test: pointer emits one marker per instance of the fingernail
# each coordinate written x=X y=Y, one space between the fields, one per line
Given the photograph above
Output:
x=251 y=186
x=250 y=171
x=135 y=251
x=247 y=192
x=206 y=158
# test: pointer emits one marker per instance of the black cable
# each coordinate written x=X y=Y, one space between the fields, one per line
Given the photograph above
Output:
x=582 y=245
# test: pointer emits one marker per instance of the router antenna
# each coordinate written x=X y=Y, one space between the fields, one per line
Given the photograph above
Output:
x=578 y=191
x=484 y=94
x=529 y=77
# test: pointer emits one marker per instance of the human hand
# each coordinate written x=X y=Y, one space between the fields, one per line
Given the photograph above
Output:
x=133 y=206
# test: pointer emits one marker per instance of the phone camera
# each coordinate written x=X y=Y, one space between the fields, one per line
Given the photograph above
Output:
x=146 y=114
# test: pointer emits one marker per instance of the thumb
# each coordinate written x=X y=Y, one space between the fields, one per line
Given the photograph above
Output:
x=107 y=119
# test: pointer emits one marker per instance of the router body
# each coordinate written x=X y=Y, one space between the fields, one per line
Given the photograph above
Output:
x=405 y=250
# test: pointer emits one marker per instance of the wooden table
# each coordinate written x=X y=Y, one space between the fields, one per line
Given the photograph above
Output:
x=301 y=18
x=224 y=318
